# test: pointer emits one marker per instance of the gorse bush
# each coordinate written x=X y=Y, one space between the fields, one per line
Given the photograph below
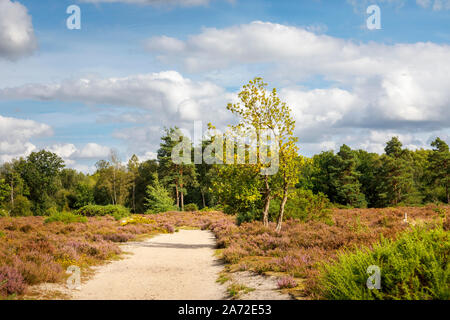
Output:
x=66 y=217
x=415 y=266
x=115 y=211
x=191 y=207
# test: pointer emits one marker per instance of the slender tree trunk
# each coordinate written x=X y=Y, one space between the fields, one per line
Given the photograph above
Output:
x=203 y=199
x=267 y=199
x=12 y=193
x=177 y=195
x=181 y=191
x=182 y=200
x=281 y=214
x=114 y=186
x=447 y=192
x=134 y=197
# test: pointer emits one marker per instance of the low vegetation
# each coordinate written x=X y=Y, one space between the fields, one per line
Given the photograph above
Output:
x=34 y=250
x=313 y=252
x=415 y=266
x=115 y=211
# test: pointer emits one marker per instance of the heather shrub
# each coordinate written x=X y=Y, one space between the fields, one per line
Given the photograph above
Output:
x=66 y=217
x=116 y=211
x=117 y=237
x=191 y=207
x=11 y=281
x=286 y=282
x=415 y=266
x=169 y=228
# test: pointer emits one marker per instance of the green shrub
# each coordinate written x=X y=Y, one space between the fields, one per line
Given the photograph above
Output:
x=248 y=216
x=415 y=266
x=66 y=217
x=303 y=205
x=22 y=207
x=158 y=199
x=117 y=211
x=4 y=213
x=191 y=207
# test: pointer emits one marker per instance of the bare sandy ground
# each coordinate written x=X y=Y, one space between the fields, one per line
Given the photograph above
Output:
x=167 y=267
x=177 y=266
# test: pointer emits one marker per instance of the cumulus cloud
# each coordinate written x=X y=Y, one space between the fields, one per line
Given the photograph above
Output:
x=393 y=84
x=91 y=150
x=15 y=136
x=168 y=95
x=17 y=37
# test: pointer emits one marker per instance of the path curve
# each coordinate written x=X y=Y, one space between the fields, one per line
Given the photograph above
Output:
x=167 y=267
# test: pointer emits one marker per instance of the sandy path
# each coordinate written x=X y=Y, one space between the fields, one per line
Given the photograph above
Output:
x=170 y=266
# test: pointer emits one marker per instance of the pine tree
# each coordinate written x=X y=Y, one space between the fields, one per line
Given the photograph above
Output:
x=176 y=175
x=439 y=166
x=396 y=175
x=345 y=177
x=158 y=198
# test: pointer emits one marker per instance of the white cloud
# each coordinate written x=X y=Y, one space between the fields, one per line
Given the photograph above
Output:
x=15 y=136
x=94 y=151
x=167 y=95
x=17 y=37
x=91 y=150
x=401 y=82
x=65 y=151
x=74 y=157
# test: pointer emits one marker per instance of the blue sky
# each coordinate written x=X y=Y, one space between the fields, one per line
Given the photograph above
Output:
x=139 y=65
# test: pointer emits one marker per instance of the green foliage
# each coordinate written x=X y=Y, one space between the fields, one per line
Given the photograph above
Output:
x=439 y=168
x=145 y=177
x=238 y=188
x=22 y=207
x=176 y=174
x=305 y=206
x=191 y=207
x=250 y=215
x=4 y=190
x=113 y=181
x=66 y=217
x=415 y=266
x=116 y=211
x=356 y=178
x=4 y=213
x=40 y=172
x=84 y=195
x=346 y=179
x=158 y=198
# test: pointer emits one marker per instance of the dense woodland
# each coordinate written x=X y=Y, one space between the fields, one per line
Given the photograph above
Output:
x=40 y=184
